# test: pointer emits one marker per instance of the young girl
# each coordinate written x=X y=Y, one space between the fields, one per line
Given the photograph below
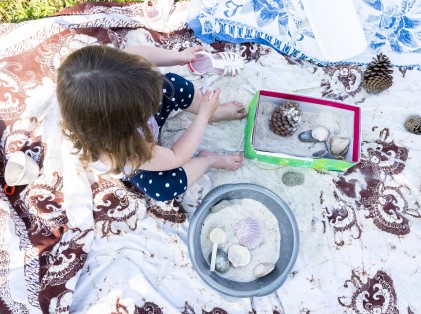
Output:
x=113 y=104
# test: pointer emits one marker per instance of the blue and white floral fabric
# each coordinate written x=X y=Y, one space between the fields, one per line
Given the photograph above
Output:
x=390 y=26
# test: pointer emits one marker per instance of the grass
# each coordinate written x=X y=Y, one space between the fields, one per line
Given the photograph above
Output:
x=12 y=11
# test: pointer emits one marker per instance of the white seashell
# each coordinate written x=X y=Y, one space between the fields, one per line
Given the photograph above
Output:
x=320 y=133
x=249 y=232
x=339 y=145
x=263 y=269
x=238 y=255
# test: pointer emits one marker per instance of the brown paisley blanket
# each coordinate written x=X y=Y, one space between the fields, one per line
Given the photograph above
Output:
x=76 y=242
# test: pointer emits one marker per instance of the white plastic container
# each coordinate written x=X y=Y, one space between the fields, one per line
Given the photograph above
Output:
x=336 y=27
x=20 y=169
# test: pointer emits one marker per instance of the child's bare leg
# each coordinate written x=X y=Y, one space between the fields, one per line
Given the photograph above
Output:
x=232 y=110
x=196 y=167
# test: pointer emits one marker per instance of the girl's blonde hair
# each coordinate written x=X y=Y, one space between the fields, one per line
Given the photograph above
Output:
x=105 y=95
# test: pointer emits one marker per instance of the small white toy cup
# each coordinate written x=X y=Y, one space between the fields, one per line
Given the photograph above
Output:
x=20 y=169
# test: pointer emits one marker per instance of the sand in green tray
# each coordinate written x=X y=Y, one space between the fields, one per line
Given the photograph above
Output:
x=266 y=140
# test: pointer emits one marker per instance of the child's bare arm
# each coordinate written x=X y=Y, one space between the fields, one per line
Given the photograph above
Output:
x=186 y=145
x=164 y=57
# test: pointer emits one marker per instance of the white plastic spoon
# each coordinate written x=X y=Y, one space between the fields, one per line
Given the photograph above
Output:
x=217 y=236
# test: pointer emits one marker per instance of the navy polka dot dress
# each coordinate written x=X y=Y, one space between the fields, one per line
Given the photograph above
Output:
x=165 y=185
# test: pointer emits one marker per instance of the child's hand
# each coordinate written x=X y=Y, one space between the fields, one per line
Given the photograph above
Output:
x=187 y=55
x=209 y=103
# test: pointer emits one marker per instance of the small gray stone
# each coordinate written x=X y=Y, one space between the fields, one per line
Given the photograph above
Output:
x=306 y=137
x=221 y=263
x=292 y=178
x=323 y=154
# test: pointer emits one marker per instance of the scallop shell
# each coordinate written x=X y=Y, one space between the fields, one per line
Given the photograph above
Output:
x=320 y=133
x=263 y=269
x=249 y=232
x=238 y=255
x=339 y=145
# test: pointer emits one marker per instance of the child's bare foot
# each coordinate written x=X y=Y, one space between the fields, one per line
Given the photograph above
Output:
x=226 y=161
x=232 y=110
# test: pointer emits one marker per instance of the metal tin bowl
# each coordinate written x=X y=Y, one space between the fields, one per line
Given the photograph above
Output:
x=289 y=241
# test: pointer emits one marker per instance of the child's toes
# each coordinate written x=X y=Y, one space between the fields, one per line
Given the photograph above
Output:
x=239 y=106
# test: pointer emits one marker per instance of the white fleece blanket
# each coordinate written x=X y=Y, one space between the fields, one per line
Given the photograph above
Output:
x=76 y=242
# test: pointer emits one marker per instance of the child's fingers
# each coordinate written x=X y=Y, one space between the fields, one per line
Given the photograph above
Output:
x=207 y=94
x=217 y=91
x=197 y=48
x=213 y=93
x=193 y=50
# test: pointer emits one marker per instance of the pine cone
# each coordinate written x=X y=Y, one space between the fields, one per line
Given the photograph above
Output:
x=377 y=76
x=286 y=119
x=413 y=124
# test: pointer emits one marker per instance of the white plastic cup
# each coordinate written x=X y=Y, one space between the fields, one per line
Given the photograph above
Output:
x=20 y=169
